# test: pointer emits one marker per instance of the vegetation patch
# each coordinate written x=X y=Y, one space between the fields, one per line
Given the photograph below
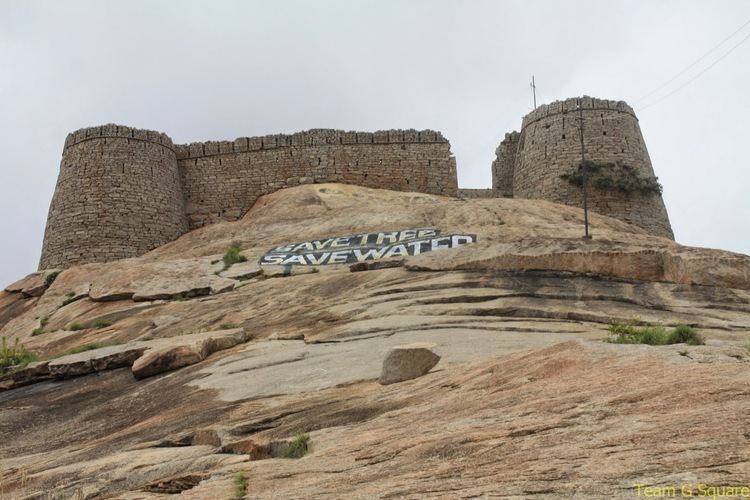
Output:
x=69 y=297
x=14 y=355
x=98 y=324
x=614 y=177
x=82 y=348
x=240 y=484
x=101 y=323
x=50 y=278
x=40 y=330
x=227 y=326
x=298 y=447
x=653 y=335
x=233 y=256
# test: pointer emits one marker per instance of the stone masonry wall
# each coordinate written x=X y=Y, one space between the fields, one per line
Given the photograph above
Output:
x=549 y=146
x=118 y=194
x=222 y=180
x=504 y=165
x=477 y=193
x=122 y=191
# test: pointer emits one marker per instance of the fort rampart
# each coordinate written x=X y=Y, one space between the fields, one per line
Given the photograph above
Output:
x=123 y=191
x=535 y=162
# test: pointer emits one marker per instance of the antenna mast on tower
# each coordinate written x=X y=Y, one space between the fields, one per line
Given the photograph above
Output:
x=533 y=89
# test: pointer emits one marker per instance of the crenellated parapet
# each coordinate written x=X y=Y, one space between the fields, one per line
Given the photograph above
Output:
x=314 y=137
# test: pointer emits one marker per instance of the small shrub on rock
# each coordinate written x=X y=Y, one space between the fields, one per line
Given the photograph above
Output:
x=76 y=327
x=233 y=256
x=50 y=278
x=14 y=355
x=653 y=335
x=101 y=323
x=298 y=447
x=240 y=485
x=684 y=334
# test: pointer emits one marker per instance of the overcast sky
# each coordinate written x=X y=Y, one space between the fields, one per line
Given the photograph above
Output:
x=220 y=70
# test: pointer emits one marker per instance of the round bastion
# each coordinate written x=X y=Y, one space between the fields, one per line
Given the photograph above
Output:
x=118 y=195
x=549 y=148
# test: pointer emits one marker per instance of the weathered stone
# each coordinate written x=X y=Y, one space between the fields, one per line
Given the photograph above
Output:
x=33 y=285
x=224 y=339
x=165 y=359
x=176 y=352
x=207 y=436
x=406 y=362
x=242 y=271
x=103 y=358
x=248 y=446
x=29 y=374
x=273 y=271
x=375 y=264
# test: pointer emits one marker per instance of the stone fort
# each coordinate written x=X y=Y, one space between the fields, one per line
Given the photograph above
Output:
x=123 y=191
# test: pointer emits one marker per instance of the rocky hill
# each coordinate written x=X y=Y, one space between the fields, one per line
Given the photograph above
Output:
x=199 y=377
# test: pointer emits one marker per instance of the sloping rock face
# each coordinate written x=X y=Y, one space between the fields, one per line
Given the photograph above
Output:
x=527 y=401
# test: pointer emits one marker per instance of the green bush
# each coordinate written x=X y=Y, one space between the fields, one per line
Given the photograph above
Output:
x=614 y=176
x=15 y=355
x=653 y=335
x=240 y=485
x=69 y=297
x=50 y=278
x=233 y=256
x=298 y=447
x=101 y=323
x=684 y=334
x=76 y=327
x=40 y=330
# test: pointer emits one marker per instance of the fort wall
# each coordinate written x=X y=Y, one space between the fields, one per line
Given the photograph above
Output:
x=549 y=147
x=222 y=180
x=504 y=165
x=123 y=191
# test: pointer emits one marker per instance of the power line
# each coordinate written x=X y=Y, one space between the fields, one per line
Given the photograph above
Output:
x=698 y=74
x=691 y=65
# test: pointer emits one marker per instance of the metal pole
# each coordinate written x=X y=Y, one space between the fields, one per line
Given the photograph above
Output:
x=533 y=89
x=584 y=177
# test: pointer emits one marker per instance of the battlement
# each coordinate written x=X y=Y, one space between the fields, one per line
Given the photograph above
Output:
x=314 y=137
x=570 y=105
x=112 y=131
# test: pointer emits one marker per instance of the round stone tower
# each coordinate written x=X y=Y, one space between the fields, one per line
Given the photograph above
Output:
x=118 y=195
x=549 y=154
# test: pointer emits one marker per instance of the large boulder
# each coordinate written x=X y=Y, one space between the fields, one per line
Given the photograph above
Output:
x=406 y=362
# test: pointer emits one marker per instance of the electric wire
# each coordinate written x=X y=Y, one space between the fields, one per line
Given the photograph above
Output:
x=697 y=75
x=691 y=65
